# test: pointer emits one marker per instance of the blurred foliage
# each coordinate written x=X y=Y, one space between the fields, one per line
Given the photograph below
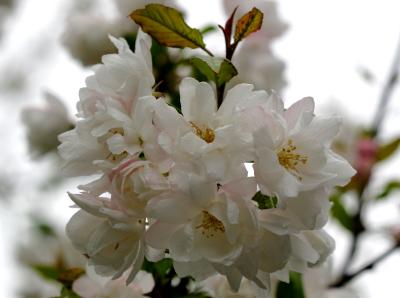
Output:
x=293 y=289
x=388 y=189
x=387 y=150
x=167 y=283
x=339 y=212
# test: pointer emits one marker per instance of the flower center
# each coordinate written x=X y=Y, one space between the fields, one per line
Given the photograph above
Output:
x=113 y=157
x=210 y=225
x=289 y=159
x=207 y=134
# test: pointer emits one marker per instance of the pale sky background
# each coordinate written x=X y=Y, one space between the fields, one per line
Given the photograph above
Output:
x=327 y=43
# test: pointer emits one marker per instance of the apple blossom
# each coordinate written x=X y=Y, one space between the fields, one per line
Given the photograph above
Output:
x=174 y=183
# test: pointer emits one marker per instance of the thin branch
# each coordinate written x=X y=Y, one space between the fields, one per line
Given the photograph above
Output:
x=378 y=119
x=348 y=277
x=387 y=92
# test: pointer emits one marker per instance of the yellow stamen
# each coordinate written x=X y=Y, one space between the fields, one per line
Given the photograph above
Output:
x=210 y=225
x=289 y=159
x=207 y=134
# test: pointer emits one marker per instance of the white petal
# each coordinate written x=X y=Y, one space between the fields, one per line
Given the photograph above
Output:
x=198 y=102
x=172 y=208
x=300 y=113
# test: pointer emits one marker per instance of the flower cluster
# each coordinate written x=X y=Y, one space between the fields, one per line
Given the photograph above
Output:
x=180 y=184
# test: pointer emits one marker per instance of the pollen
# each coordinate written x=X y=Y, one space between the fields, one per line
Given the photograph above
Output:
x=290 y=160
x=207 y=134
x=210 y=225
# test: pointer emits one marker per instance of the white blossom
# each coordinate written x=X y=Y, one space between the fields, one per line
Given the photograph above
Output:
x=106 y=107
x=175 y=185
x=93 y=286
x=292 y=151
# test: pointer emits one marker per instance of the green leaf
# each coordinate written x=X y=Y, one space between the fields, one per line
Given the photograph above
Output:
x=265 y=202
x=339 y=212
x=389 y=188
x=167 y=26
x=159 y=269
x=247 y=24
x=226 y=72
x=204 y=68
x=387 y=150
x=47 y=272
x=215 y=69
x=208 y=29
x=294 y=289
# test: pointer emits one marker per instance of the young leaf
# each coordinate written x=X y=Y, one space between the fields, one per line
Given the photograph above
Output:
x=167 y=26
x=247 y=24
x=339 y=212
x=387 y=150
x=293 y=290
x=265 y=202
x=389 y=188
x=226 y=72
x=215 y=69
x=208 y=29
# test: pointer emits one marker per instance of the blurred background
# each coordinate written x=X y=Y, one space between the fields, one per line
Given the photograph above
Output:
x=339 y=52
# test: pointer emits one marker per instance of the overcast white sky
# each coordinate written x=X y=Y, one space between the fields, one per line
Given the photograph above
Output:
x=328 y=41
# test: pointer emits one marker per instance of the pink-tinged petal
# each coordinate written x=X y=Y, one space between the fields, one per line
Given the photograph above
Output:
x=171 y=208
x=159 y=233
x=198 y=102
